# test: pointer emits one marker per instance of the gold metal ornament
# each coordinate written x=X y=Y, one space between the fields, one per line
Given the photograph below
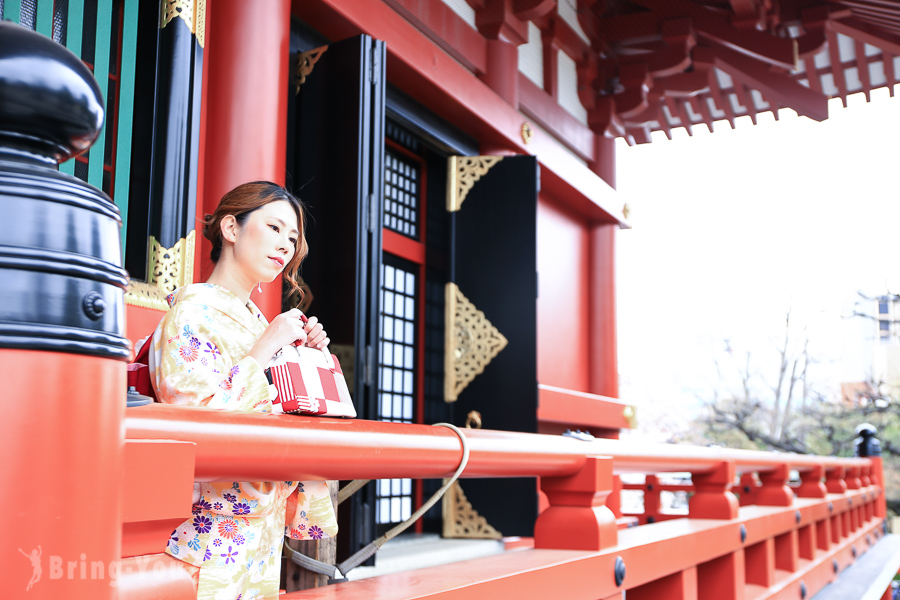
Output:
x=167 y=270
x=192 y=12
x=470 y=342
x=462 y=173
x=626 y=210
x=527 y=132
x=463 y=521
x=630 y=415
x=305 y=63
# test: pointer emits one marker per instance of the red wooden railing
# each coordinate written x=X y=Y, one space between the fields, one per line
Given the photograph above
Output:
x=777 y=542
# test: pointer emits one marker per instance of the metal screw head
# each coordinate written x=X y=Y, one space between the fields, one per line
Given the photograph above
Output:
x=746 y=489
x=868 y=540
x=619 y=571
x=834 y=565
x=830 y=507
x=850 y=501
x=797 y=516
x=743 y=534
x=853 y=551
x=651 y=519
x=802 y=591
x=649 y=487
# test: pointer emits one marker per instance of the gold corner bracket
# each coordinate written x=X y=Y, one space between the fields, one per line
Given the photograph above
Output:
x=471 y=342
x=305 y=63
x=461 y=520
x=462 y=173
x=167 y=270
x=192 y=12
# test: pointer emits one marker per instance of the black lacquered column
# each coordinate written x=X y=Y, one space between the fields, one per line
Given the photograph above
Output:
x=179 y=73
x=62 y=343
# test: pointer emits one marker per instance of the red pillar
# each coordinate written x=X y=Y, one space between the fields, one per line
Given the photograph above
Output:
x=603 y=361
x=63 y=466
x=246 y=122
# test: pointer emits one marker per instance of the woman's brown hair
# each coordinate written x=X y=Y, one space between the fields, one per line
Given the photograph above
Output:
x=243 y=200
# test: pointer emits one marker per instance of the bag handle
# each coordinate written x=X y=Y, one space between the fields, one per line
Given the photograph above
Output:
x=363 y=554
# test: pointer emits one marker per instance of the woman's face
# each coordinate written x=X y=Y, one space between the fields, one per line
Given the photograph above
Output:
x=266 y=242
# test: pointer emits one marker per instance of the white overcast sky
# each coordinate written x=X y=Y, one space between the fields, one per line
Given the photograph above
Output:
x=731 y=228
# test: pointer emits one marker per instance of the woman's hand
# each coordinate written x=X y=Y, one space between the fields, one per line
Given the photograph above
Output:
x=284 y=329
x=316 y=336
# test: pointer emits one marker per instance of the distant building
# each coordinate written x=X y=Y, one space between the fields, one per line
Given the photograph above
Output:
x=882 y=339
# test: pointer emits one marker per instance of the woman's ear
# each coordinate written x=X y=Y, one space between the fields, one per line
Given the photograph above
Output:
x=229 y=226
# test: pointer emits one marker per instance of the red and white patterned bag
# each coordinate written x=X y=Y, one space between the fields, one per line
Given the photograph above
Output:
x=310 y=382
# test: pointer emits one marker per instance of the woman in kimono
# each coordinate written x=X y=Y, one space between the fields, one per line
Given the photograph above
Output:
x=210 y=350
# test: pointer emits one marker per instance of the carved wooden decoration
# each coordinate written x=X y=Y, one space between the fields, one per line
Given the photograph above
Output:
x=463 y=521
x=463 y=172
x=471 y=342
x=167 y=270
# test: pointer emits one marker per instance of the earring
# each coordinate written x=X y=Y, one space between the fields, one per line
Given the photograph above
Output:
x=259 y=287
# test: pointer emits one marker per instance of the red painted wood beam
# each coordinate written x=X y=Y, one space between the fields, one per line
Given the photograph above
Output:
x=432 y=77
x=862 y=67
x=866 y=33
x=889 y=74
x=447 y=30
x=257 y=447
x=571 y=407
x=837 y=68
x=812 y=75
x=649 y=553
x=539 y=105
x=780 y=87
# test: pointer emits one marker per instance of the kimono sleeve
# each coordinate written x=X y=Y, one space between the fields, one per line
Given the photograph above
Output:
x=310 y=512
x=192 y=368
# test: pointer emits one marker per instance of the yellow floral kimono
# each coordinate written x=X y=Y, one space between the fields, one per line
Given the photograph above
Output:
x=235 y=535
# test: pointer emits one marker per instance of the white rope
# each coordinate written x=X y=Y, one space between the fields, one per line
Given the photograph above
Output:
x=363 y=554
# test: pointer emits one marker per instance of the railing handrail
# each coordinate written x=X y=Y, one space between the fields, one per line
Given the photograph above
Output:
x=256 y=447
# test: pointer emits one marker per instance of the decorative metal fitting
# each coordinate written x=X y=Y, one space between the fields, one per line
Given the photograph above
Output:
x=743 y=534
x=619 y=571
x=94 y=306
x=527 y=132
x=802 y=591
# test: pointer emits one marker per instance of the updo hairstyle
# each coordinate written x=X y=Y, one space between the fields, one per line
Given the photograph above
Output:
x=243 y=200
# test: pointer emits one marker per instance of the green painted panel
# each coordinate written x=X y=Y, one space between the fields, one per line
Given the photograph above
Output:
x=101 y=74
x=74 y=25
x=43 y=22
x=11 y=10
x=126 y=112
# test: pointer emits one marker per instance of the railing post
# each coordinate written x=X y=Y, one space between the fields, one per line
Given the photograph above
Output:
x=834 y=481
x=578 y=518
x=852 y=478
x=878 y=480
x=775 y=490
x=811 y=485
x=712 y=496
x=749 y=487
x=652 y=504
